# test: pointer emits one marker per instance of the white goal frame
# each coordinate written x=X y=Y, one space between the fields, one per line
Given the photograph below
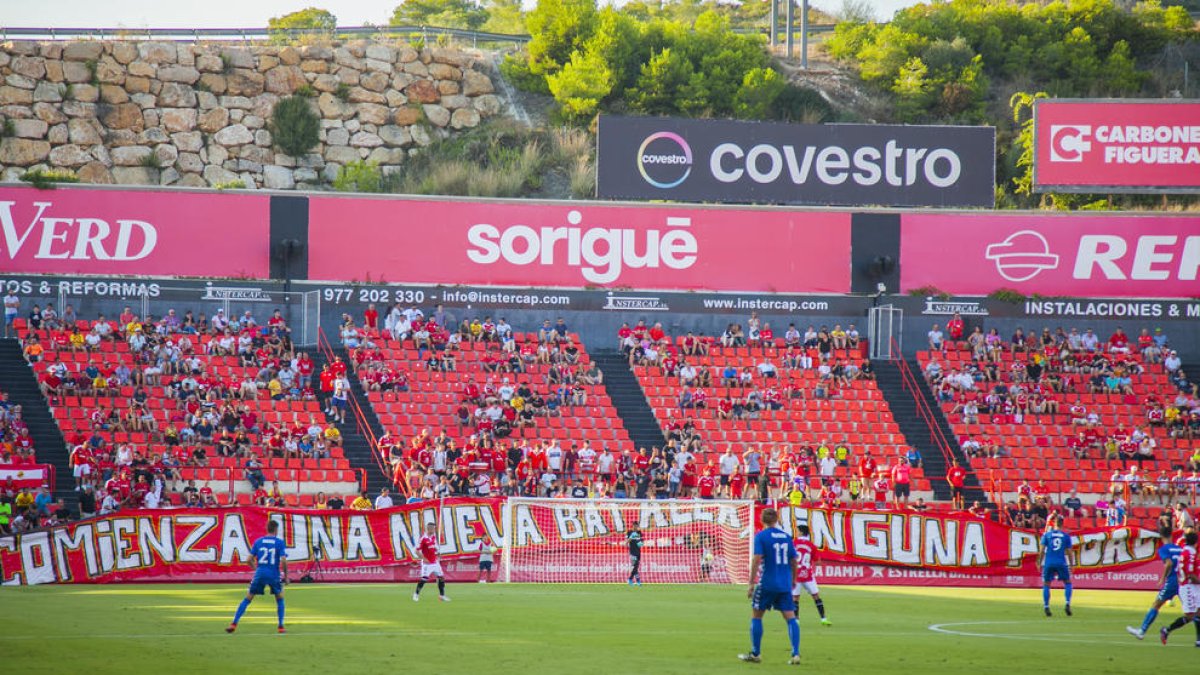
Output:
x=685 y=540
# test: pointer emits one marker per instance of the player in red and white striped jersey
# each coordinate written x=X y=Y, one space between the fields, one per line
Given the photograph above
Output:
x=1189 y=587
x=430 y=567
x=806 y=562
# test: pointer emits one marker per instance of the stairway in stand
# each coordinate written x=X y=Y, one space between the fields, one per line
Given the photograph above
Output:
x=918 y=433
x=356 y=446
x=629 y=399
x=20 y=382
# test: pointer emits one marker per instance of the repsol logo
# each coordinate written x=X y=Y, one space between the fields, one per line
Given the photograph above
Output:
x=866 y=165
x=600 y=253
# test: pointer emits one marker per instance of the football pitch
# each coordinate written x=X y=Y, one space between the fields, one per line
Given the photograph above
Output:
x=526 y=628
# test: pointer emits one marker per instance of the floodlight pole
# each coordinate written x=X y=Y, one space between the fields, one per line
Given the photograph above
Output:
x=791 y=25
x=804 y=34
x=774 y=22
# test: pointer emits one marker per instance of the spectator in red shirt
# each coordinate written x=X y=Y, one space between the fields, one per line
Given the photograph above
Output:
x=955 y=327
x=1118 y=342
x=371 y=318
x=956 y=477
x=657 y=334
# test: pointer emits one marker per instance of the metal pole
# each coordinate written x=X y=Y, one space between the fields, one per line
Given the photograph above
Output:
x=774 y=22
x=804 y=34
x=791 y=25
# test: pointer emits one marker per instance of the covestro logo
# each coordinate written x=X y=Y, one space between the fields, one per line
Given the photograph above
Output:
x=664 y=160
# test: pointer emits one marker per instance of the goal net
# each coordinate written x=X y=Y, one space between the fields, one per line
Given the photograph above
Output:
x=584 y=540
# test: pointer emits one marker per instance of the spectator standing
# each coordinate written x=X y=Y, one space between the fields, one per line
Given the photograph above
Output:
x=12 y=307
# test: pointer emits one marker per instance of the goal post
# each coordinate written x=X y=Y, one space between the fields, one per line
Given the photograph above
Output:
x=584 y=540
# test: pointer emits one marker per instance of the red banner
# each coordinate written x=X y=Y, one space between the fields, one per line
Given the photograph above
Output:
x=957 y=549
x=1078 y=255
x=856 y=546
x=134 y=233
x=563 y=245
x=25 y=475
x=1116 y=146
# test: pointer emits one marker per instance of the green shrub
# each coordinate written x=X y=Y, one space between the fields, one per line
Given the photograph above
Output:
x=801 y=104
x=342 y=91
x=360 y=176
x=1007 y=295
x=929 y=292
x=295 y=126
x=44 y=179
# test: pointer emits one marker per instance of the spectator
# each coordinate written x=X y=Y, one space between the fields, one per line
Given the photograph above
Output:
x=936 y=338
x=384 y=500
x=362 y=503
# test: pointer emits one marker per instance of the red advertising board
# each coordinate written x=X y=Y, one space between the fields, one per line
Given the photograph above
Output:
x=1116 y=146
x=567 y=245
x=134 y=233
x=1150 y=256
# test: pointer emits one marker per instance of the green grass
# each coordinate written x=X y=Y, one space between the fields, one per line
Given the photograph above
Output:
x=570 y=629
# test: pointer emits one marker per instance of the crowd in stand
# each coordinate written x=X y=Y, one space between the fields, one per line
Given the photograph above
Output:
x=1046 y=386
x=486 y=461
x=207 y=414
x=1035 y=378
x=22 y=507
x=524 y=382
x=435 y=465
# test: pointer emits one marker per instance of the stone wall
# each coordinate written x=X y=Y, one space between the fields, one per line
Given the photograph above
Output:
x=155 y=113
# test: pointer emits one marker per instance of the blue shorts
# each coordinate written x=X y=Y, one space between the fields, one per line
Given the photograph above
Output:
x=1060 y=572
x=339 y=402
x=260 y=583
x=1168 y=591
x=485 y=565
x=765 y=601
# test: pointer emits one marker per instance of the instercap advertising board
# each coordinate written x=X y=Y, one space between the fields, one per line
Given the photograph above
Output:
x=819 y=164
x=1069 y=255
x=1116 y=145
x=555 y=245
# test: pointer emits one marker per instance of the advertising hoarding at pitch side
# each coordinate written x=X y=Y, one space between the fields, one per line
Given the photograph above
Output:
x=134 y=233
x=1116 y=146
x=1053 y=255
x=569 y=246
x=769 y=162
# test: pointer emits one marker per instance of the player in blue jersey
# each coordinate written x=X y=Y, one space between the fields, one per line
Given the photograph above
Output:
x=775 y=559
x=270 y=554
x=1168 y=583
x=1055 y=544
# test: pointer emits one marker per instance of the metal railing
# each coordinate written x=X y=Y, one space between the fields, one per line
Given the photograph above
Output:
x=268 y=34
x=910 y=384
x=256 y=34
x=362 y=426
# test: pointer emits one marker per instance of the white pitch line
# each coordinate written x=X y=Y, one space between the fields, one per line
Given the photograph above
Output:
x=1069 y=637
x=242 y=633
